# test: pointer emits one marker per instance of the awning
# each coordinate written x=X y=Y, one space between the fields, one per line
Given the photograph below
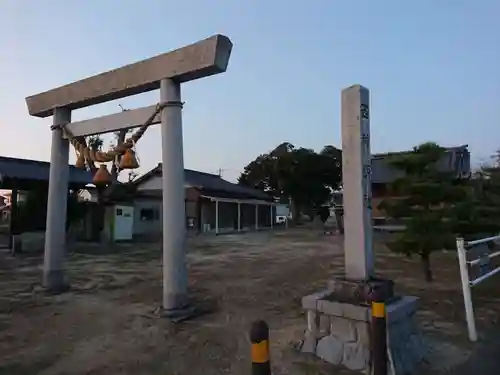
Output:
x=243 y=201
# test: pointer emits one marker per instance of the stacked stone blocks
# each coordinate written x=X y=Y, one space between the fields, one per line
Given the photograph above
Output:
x=340 y=333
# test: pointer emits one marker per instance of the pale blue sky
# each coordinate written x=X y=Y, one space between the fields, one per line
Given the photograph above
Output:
x=432 y=67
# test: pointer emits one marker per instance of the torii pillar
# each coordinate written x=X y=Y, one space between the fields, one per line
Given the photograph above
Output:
x=165 y=72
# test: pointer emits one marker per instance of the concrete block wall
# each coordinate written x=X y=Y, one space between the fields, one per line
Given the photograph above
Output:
x=340 y=333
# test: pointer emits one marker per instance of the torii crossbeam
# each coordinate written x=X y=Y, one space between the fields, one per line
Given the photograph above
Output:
x=165 y=72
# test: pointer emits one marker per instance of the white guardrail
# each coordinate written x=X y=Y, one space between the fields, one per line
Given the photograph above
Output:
x=482 y=261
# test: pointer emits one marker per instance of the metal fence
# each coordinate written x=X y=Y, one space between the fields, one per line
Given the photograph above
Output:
x=474 y=254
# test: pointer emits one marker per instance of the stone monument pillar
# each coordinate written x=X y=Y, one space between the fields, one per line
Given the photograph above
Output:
x=339 y=318
x=356 y=178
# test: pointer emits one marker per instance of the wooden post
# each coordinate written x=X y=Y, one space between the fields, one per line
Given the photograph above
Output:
x=256 y=216
x=216 y=216
x=13 y=225
x=239 y=217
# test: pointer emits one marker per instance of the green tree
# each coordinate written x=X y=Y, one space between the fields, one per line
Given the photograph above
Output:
x=302 y=174
x=119 y=139
x=479 y=216
x=95 y=142
x=32 y=213
x=425 y=198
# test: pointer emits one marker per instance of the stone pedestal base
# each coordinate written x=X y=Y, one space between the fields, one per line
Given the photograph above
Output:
x=339 y=333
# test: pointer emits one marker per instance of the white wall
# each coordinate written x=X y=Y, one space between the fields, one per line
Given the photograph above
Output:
x=154 y=183
x=282 y=210
x=145 y=227
x=87 y=196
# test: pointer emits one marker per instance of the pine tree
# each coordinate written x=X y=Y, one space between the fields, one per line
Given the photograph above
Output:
x=424 y=198
x=489 y=196
x=479 y=217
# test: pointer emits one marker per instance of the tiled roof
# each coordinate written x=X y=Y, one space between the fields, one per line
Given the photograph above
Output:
x=455 y=159
x=215 y=182
x=211 y=182
x=35 y=170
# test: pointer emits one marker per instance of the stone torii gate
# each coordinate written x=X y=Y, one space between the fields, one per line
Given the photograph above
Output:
x=165 y=72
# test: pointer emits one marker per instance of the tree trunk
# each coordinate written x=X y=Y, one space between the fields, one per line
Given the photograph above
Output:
x=339 y=218
x=83 y=141
x=426 y=267
x=114 y=168
x=98 y=223
x=296 y=216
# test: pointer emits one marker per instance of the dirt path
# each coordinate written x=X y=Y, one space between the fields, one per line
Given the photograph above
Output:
x=109 y=323
x=485 y=359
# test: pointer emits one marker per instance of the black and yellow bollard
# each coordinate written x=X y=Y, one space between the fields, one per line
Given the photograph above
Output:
x=379 y=338
x=259 y=339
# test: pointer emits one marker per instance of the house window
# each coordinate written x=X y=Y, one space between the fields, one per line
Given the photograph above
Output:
x=150 y=214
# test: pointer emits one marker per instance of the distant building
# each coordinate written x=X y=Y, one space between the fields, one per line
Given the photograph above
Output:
x=456 y=159
x=213 y=205
x=282 y=209
x=22 y=175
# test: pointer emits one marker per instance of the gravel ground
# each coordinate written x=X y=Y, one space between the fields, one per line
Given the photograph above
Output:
x=109 y=322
